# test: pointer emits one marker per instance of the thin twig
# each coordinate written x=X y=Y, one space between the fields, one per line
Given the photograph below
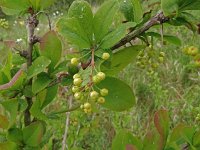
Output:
x=49 y=20
x=157 y=19
x=67 y=123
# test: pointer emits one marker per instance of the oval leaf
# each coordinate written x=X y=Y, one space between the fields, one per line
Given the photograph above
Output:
x=125 y=140
x=3 y=122
x=11 y=106
x=15 y=4
x=120 y=95
x=121 y=59
x=51 y=47
x=112 y=38
x=15 y=135
x=81 y=10
x=161 y=121
x=32 y=134
x=70 y=29
x=38 y=66
x=41 y=82
x=103 y=19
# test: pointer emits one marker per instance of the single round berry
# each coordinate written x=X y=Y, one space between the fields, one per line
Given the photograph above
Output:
x=101 y=100
x=161 y=59
x=94 y=95
x=77 y=81
x=192 y=50
x=82 y=106
x=104 y=92
x=76 y=76
x=162 y=54
x=77 y=95
x=105 y=56
x=96 y=79
x=85 y=110
x=101 y=75
x=75 y=89
x=197 y=62
x=89 y=110
x=74 y=61
x=87 y=105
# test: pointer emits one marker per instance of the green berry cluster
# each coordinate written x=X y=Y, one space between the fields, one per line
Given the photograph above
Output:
x=86 y=94
x=150 y=59
x=194 y=52
x=4 y=23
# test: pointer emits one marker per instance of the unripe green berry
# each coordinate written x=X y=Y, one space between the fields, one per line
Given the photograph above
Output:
x=85 y=110
x=87 y=105
x=105 y=56
x=76 y=76
x=162 y=54
x=77 y=81
x=192 y=50
x=74 y=61
x=75 y=89
x=82 y=106
x=94 y=95
x=101 y=100
x=161 y=59
x=96 y=79
x=77 y=95
x=197 y=63
x=101 y=75
x=104 y=92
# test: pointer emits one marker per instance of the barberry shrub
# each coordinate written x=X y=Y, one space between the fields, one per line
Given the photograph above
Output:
x=102 y=48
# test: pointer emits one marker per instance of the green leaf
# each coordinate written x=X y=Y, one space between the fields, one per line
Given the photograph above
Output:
x=81 y=10
x=169 y=38
x=51 y=47
x=121 y=59
x=36 y=110
x=38 y=66
x=189 y=5
x=124 y=138
x=112 y=38
x=162 y=124
x=42 y=81
x=41 y=4
x=196 y=139
x=70 y=29
x=47 y=95
x=137 y=9
x=11 y=106
x=151 y=140
x=15 y=135
x=169 y=6
x=126 y=8
x=3 y=122
x=8 y=146
x=10 y=12
x=182 y=133
x=32 y=134
x=15 y=4
x=103 y=19
x=116 y=99
x=18 y=84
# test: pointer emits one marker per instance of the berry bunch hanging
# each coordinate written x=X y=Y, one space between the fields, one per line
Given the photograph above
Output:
x=150 y=59
x=85 y=83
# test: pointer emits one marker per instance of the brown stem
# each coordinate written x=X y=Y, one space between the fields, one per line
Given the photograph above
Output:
x=32 y=23
x=12 y=81
x=157 y=19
